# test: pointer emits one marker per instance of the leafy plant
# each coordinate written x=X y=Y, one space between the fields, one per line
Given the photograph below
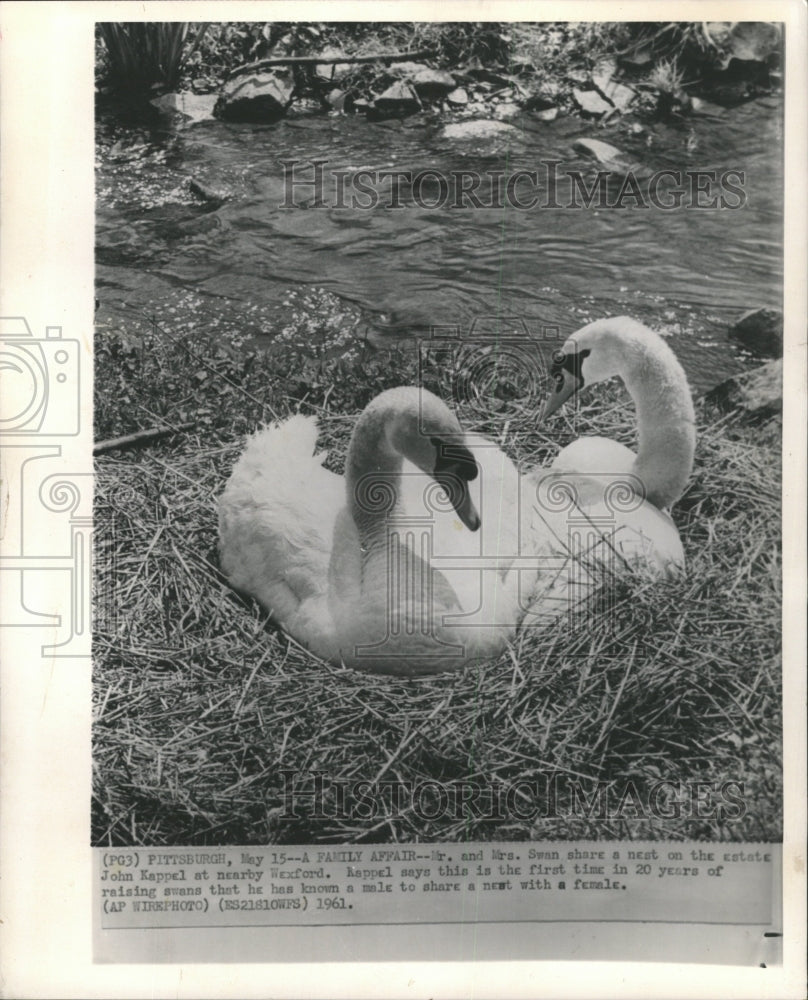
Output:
x=666 y=77
x=144 y=55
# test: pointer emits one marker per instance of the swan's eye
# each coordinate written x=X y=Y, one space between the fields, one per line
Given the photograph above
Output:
x=571 y=363
x=454 y=460
x=558 y=357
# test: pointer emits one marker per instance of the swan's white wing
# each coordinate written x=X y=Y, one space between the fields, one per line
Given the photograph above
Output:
x=276 y=519
x=595 y=454
x=587 y=529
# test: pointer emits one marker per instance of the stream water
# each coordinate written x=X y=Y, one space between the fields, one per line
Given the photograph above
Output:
x=165 y=252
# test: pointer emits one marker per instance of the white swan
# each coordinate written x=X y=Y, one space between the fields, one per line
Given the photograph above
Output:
x=388 y=568
x=600 y=507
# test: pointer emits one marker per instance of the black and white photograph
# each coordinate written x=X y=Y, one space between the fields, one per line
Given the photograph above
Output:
x=437 y=420
x=430 y=572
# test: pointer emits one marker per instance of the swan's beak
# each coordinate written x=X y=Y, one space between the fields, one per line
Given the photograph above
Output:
x=566 y=385
x=466 y=510
x=457 y=490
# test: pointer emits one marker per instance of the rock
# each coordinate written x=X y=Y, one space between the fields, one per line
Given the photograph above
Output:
x=580 y=77
x=705 y=109
x=260 y=97
x=212 y=196
x=507 y=109
x=544 y=108
x=458 y=97
x=760 y=331
x=537 y=102
x=405 y=70
x=758 y=393
x=618 y=94
x=609 y=156
x=591 y=102
x=546 y=114
x=747 y=41
x=197 y=107
x=432 y=84
x=332 y=71
x=622 y=97
x=397 y=101
x=748 y=54
x=485 y=129
x=603 y=71
x=637 y=59
x=336 y=99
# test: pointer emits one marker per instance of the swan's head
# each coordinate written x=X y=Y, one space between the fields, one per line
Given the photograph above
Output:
x=454 y=469
x=433 y=440
x=593 y=354
x=415 y=424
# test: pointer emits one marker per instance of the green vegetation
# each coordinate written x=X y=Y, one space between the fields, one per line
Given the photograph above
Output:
x=139 y=56
x=200 y=703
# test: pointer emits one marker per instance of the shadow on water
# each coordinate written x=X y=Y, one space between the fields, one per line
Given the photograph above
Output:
x=228 y=240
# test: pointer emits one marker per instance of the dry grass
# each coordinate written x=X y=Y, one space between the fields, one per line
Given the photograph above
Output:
x=201 y=705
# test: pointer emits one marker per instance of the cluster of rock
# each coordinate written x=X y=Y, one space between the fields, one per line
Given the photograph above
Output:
x=399 y=90
x=743 y=54
x=759 y=392
x=478 y=101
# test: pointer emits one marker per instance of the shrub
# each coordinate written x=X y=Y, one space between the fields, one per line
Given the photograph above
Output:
x=144 y=55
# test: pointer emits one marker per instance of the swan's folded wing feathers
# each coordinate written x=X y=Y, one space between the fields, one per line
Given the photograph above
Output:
x=596 y=455
x=277 y=517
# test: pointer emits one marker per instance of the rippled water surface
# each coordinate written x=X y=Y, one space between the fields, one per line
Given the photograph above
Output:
x=688 y=272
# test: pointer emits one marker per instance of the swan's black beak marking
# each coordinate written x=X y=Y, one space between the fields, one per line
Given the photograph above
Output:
x=568 y=378
x=455 y=468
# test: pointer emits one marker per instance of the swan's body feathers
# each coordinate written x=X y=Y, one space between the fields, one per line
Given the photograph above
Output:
x=595 y=454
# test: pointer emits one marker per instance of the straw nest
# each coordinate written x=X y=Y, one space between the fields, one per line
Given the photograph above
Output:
x=206 y=716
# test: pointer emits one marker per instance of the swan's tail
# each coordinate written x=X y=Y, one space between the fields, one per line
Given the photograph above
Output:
x=279 y=502
x=282 y=448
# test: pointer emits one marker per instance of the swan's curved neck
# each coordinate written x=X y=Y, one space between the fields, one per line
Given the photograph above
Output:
x=665 y=419
x=373 y=479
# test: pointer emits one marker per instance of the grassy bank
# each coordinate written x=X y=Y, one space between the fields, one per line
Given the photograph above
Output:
x=201 y=704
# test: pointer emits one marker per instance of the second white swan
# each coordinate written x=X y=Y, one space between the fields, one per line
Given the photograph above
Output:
x=600 y=506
